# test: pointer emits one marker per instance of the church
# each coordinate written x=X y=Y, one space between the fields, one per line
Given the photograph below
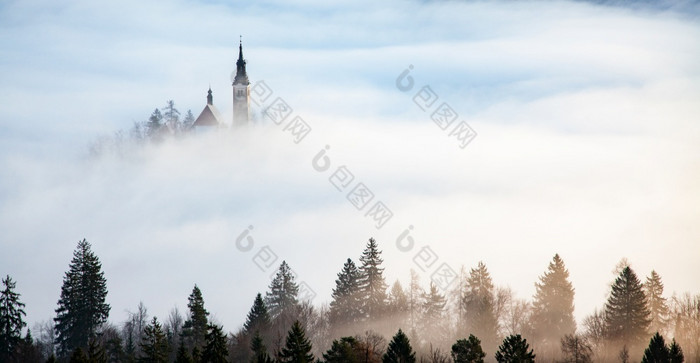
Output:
x=210 y=118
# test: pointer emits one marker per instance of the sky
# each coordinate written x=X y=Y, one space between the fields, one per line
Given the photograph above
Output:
x=586 y=118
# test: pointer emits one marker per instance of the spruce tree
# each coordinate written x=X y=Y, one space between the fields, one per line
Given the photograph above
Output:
x=195 y=327
x=479 y=307
x=553 y=305
x=282 y=297
x=79 y=356
x=656 y=303
x=399 y=350
x=675 y=353
x=626 y=313
x=372 y=285
x=11 y=321
x=468 y=350
x=188 y=121
x=297 y=348
x=345 y=350
x=82 y=308
x=259 y=349
x=398 y=304
x=154 y=346
x=433 y=321
x=182 y=355
x=515 y=349
x=345 y=306
x=154 y=125
x=171 y=115
x=656 y=352
x=258 y=319
x=215 y=350
x=96 y=352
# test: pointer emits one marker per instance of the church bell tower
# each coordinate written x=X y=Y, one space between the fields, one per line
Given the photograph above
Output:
x=241 y=92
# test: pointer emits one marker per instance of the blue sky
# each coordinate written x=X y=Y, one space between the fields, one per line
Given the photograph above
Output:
x=587 y=121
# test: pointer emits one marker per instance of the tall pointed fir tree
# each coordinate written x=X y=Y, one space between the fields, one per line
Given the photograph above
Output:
x=154 y=346
x=257 y=346
x=345 y=306
x=515 y=349
x=195 y=328
x=258 y=319
x=397 y=304
x=626 y=314
x=297 y=348
x=215 y=350
x=553 y=308
x=283 y=294
x=480 y=318
x=433 y=324
x=372 y=285
x=82 y=308
x=399 y=350
x=656 y=303
x=657 y=351
x=468 y=350
x=11 y=320
x=675 y=353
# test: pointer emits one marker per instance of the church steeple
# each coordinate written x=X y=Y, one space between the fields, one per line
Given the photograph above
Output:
x=241 y=91
x=210 y=98
x=241 y=75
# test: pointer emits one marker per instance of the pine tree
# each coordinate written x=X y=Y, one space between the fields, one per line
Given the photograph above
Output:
x=215 y=350
x=344 y=308
x=188 y=121
x=626 y=313
x=553 y=305
x=260 y=354
x=345 y=350
x=479 y=307
x=11 y=321
x=258 y=319
x=675 y=353
x=399 y=350
x=79 y=356
x=656 y=352
x=96 y=352
x=656 y=303
x=82 y=308
x=433 y=322
x=576 y=349
x=154 y=347
x=282 y=297
x=397 y=305
x=468 y=350
x=195 y=327
x=297 y=348
x=515 y=350
x=182 y=355
x=371 y=283
x=154 y=125
x=171 y=115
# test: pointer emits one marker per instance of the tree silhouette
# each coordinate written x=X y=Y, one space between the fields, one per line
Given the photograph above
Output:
x=297 y=348
x=11 y=321
x=399 y=350
x=515 y=350
x=626 y=313
x=468 y=350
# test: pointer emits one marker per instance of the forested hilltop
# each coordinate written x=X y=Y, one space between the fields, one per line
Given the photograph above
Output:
x=366 y=321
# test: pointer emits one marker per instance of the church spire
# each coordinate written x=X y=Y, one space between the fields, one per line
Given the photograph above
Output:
x=210 y=98
x=241 y=75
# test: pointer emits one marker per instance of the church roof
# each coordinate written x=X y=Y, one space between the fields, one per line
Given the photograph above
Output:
x=210 y=115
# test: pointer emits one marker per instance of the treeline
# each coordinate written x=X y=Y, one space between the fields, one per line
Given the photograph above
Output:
x=163 y=123
x=366 y=321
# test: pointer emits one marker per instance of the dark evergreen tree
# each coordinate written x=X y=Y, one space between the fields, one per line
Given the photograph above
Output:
x=656 y=303
x=345 y=306
x=297 y=348
x=258 y=319
x=182 y=355
x=576 y=349
x=282 y=297
x=215 y=350
x=553 y=306
x=11 y=320
x=79 y=356
x=399 y=350
x=345 y=350
x=626 y=313
x=259 y=349
x=27 y=351
x=515 y=349
x=154 y=346
x=480 y=318
x=372 y=286
x=468 y=351
x=96 y=352
x=657 y=351
x=82 y=308
x=675 y=353
x=195 y=328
